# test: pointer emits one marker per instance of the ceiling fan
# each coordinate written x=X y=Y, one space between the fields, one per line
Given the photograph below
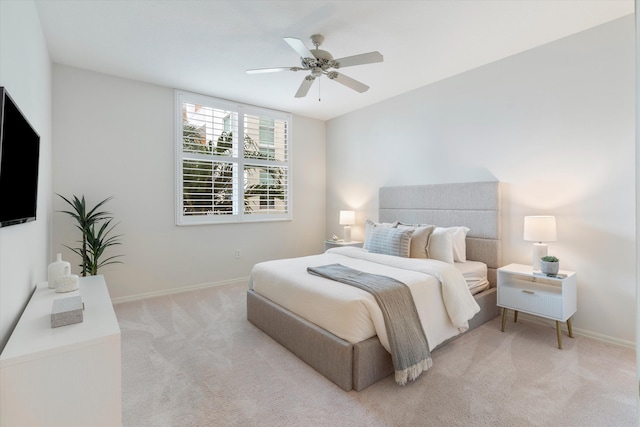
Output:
x=320 y=62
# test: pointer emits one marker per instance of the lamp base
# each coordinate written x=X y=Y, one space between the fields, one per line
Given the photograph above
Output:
x=539 y=250
x=347 y=234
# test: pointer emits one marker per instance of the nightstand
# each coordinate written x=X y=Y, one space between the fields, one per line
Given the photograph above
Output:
x=522 y=289
x=328 y=244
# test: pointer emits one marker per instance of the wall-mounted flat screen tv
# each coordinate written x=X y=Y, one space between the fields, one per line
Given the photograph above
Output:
x=19 y=156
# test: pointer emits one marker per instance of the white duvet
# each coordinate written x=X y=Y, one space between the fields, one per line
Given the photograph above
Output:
x=443 y=300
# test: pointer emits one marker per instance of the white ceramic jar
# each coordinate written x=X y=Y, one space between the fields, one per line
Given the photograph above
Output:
x=56 y=270
x=68 y=282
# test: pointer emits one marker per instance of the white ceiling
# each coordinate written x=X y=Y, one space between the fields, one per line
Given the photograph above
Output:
x=206 y=46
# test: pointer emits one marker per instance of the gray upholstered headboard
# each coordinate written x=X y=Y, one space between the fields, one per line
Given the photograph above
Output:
x=474 y=204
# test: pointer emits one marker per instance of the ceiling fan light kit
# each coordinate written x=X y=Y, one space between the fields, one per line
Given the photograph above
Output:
x=320 y=62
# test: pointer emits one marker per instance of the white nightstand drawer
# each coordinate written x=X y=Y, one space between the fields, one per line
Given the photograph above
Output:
x=532 y=299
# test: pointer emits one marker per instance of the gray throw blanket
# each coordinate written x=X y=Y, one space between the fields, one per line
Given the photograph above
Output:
x=409 y=347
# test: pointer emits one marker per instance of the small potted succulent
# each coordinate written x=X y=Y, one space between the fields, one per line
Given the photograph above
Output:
x=549 y=265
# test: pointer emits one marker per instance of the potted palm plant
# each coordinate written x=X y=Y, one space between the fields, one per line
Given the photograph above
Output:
x=549 y=265
x=96 y=227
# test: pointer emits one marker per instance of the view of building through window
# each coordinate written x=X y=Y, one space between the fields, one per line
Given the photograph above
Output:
x=223 y=175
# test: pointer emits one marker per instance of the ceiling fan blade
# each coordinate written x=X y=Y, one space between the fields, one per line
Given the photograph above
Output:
x=348 y=82
x=363 y=58
x=304 y=87
x=273 y=70
x=267 y=70
x=298 y=46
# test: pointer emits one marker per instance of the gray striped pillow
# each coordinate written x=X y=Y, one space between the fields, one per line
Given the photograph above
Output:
x=390 y=241
x=371 y=225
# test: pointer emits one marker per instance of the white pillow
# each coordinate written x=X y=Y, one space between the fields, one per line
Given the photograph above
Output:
x=390 y=241
x=369 y=226
x=441 y=245
x=419 y=239
x=460 y=244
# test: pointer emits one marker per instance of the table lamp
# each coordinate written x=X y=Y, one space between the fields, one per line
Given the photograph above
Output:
x=347 y=218
x=539 y=229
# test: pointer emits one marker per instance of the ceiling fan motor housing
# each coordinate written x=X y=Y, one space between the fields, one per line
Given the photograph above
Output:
x=322 y=59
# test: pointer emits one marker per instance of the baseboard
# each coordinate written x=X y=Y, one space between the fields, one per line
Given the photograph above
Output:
x=240 y=280
x=576 y=331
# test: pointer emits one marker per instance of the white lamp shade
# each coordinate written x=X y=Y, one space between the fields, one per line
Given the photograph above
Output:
x=540 y=228
x=347 y=217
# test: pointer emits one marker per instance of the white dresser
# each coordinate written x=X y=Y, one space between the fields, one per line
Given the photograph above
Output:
x=65 y=376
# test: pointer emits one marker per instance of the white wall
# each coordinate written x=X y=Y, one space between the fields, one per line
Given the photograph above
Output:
x=25 y=71
x=114 y=137
x=637 y=15
x=556 y=124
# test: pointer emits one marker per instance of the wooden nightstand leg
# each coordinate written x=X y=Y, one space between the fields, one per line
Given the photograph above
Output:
x=515 y=316
x=504 y=318
x=559 y=334
x=569 y=328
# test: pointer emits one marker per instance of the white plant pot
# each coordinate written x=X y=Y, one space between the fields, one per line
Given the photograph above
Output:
x=548 y=267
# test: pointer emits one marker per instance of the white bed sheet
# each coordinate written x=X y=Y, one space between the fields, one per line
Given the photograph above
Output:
x=475 y=273
x=353 y=314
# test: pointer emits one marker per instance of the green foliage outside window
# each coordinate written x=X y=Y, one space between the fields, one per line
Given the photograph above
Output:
x=208 y=183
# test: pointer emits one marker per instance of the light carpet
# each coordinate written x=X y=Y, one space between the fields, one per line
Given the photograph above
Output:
x=192 y=359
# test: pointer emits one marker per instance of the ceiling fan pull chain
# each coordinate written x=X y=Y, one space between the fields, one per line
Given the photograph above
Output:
x=319 y=83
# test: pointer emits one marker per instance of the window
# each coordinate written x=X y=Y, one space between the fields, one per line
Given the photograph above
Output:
x=222 y=177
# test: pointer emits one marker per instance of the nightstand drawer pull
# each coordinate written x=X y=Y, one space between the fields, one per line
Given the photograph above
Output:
x=528 y=292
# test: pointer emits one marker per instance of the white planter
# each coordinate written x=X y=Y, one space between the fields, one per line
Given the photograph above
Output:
x=548 y=267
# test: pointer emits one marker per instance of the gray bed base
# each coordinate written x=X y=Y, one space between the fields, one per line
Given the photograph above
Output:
x=350 y=366
x=356 y=366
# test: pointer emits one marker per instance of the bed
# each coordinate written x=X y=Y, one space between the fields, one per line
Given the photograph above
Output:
x=353 y=363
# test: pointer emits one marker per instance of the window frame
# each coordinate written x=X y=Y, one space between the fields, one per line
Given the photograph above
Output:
x=239 y=161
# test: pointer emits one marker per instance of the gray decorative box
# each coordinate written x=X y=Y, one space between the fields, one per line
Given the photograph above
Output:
x=66 y=311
